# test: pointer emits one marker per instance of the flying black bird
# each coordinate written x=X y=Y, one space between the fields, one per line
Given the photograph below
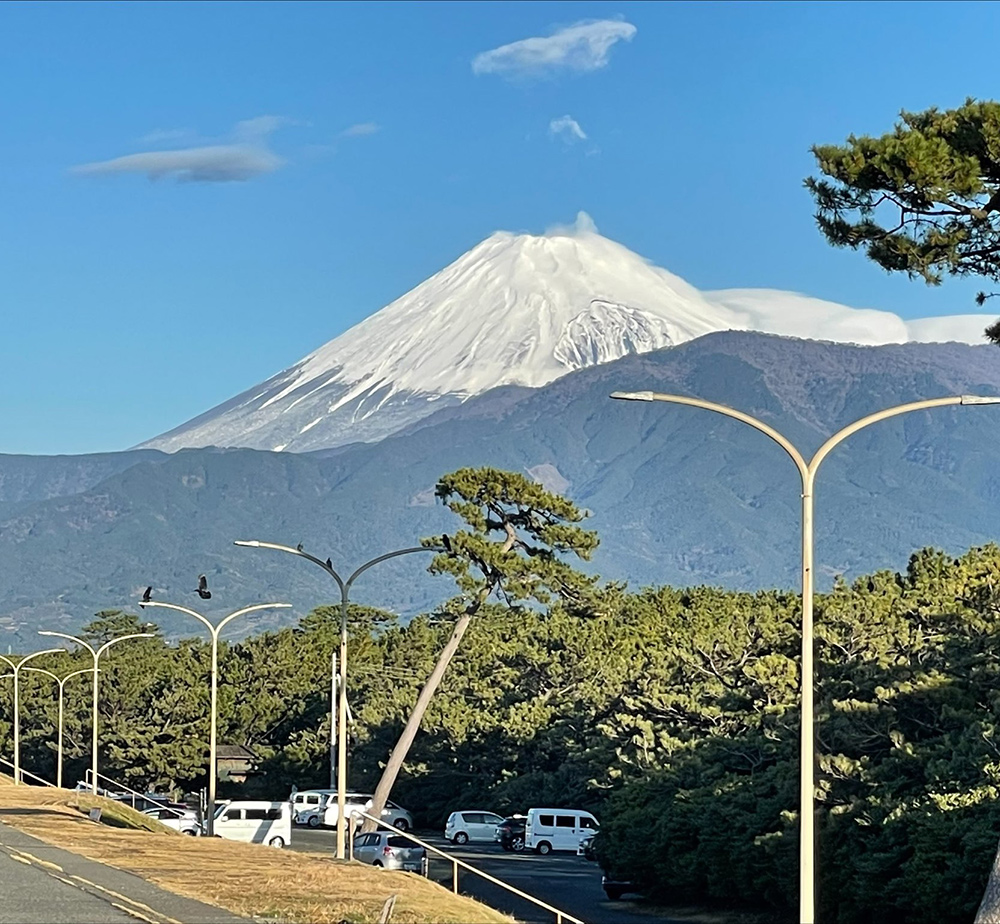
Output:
x=146 y=594
x=298 y=548
x=203 y=590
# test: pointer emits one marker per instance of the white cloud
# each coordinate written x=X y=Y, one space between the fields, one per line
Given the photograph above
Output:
x=361 y=129
x=584 y=46
x=568 y=129
x=246 y=157
x=584 y=224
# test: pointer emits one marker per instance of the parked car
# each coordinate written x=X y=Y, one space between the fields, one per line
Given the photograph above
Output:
x=586 y=848
x=306 y=800
x=255 y=821
x=389 y=850
x=548 y=829
x=510 y=833
x=180 y=819
x=463 y=827
x=326 y=813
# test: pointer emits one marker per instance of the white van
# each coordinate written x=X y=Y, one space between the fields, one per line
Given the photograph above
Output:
x=256 y=822
x=548 y=829
x=307 y=800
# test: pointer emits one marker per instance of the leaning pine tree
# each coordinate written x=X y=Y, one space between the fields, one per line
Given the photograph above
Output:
x=516 y=534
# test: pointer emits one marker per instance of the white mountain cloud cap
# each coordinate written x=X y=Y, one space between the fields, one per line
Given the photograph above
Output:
x=568 y=129
x=245 y=157
x=581 y=47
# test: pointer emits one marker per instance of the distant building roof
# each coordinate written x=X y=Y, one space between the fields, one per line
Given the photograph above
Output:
x=234 y=752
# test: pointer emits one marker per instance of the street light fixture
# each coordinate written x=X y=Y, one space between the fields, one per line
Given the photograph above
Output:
x=62 y=684
x=214 y=630
x=16 y=668
x=96 y=654
x=807 y=474
x=345 y=590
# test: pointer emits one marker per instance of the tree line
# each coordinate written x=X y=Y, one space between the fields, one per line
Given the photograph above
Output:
x=670 y=713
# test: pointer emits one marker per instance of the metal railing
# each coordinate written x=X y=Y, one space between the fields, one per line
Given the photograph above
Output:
x=24 y=773
x=135 y=794
x=561 y=916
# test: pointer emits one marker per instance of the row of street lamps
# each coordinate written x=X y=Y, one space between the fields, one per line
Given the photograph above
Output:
x=807 y=751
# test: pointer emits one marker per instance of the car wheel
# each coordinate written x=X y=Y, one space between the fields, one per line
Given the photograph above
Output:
x=190 y=832
x=401 y=824
x=613 y=894
x=517 y=844
x=277 y=842
x=377 y=863
x=544 y=848
x=507 y=847
x=460 y=838
x=313 y=821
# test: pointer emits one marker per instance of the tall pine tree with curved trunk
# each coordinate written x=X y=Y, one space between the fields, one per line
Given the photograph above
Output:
x=923 y=199
x=516 y=534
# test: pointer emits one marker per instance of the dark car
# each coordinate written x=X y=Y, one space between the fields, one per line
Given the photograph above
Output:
x=616 y=888
x=510 y=833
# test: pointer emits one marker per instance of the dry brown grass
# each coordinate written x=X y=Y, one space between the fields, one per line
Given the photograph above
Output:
x=244 y=878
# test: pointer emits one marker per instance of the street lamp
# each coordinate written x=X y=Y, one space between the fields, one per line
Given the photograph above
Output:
x=214 y=630
x=96 y=653
x=807 y=474
x=345 y=590
x=62 y=685
x=16 y=668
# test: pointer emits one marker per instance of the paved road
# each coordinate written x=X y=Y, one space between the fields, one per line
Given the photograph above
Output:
x=564 y=881
x=41 y=884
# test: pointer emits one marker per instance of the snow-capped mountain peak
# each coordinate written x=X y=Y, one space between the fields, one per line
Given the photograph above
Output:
x=517 y=309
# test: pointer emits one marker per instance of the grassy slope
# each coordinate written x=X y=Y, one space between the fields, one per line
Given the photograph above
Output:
x=244 y=878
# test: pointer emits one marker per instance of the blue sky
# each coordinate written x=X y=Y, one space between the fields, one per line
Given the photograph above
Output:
x=365 y=148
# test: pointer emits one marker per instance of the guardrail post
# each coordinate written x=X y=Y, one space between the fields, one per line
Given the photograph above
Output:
x=454 y=877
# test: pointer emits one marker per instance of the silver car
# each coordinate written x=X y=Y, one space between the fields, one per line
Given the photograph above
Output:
x=389 y=850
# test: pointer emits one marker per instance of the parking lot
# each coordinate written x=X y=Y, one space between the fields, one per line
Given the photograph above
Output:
x=563 y=880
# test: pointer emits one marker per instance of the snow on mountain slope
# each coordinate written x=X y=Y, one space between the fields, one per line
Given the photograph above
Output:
x=517 y=309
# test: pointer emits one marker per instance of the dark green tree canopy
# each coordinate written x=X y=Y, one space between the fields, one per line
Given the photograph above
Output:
x=923 y=199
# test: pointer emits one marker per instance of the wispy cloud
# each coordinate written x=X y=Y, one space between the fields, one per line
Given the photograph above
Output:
x=361 y=129
x=568 y=129
x=584 y=46
x=584 y=224
x=245 y=157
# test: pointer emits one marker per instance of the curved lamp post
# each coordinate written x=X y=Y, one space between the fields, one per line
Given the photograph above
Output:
x=807 y=474
x=96 y=654
x=62 y=685
x=214 y=630
x=16 y=666
x=345 y=590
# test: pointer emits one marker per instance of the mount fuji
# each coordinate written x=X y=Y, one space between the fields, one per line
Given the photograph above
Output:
x=517 y=309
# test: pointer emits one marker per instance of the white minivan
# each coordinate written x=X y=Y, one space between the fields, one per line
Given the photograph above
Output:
x=548 y=829
x=256 y=822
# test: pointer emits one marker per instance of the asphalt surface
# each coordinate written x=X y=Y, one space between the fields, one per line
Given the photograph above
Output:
x=567 y=882
x=41 y=884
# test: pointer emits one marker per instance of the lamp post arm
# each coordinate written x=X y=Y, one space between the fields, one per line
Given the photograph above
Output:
x=250 y=609
x=37 y=654
x=41 y=670
x=257 y=544
x=121 y=638
x=369 y=564
x=850 y=429
x=726 y=411
x=182 y=609
x=72 y=638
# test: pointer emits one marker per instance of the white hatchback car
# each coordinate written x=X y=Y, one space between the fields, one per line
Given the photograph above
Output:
x=463 y=826
x=185 y=821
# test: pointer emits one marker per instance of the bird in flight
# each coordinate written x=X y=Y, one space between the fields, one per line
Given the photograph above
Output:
x=298 y=548
x=146 y=595
x=203 y=590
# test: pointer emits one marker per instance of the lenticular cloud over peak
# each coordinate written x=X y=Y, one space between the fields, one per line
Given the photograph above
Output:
x=521 y=310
